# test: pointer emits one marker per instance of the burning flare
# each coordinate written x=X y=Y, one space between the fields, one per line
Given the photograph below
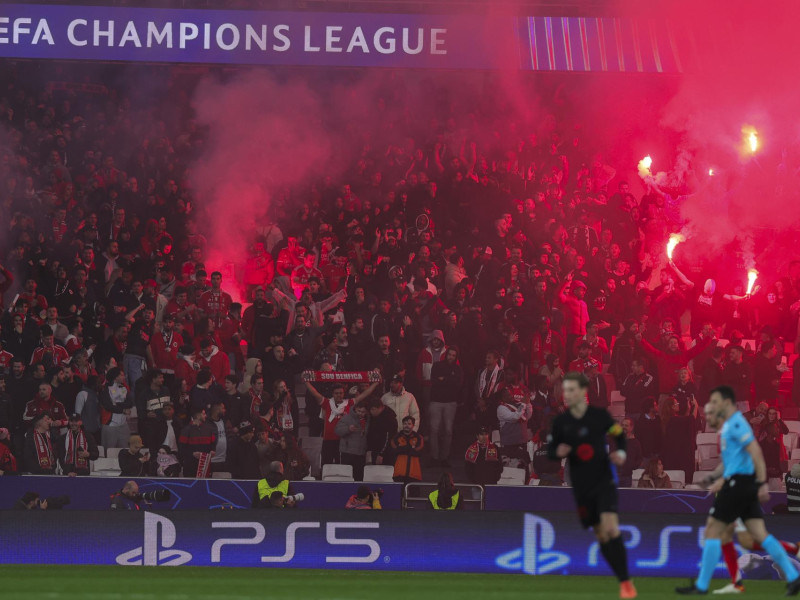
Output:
x=752 y=275
x=750 y=139
x=644 y=166
x=674 y=240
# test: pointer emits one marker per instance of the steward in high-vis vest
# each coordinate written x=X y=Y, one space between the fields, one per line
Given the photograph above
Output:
x=273 y=491
x=446 y=496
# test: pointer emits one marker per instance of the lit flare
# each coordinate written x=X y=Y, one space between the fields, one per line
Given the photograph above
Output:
x=644 y=167
x=752 y=275
x=674 y=240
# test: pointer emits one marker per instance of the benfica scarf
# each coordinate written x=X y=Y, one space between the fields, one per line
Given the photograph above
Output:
x=488 y=385
x=44 y=450
x=342 y=376
x=474 y=451
x=75 y=443
x=203 y=465
x=255 y=404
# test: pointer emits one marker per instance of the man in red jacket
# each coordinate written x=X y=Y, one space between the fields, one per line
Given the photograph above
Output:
x=230 y=334
x=45 y=403
x=670 y=360
x=164 y=346
x=215 y=303
x=214 y=360
x=49 y=353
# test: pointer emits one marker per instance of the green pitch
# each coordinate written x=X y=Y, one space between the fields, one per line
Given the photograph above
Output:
x=198 y=583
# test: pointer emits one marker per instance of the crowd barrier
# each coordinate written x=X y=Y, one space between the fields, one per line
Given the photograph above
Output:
x=93 y=493
x=450 y=541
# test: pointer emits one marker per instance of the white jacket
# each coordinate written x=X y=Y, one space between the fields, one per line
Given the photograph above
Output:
x=404 y=405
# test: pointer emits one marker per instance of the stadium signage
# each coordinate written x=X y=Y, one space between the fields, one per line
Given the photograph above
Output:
x=537 y=544
x=122 y=33
x=160 y=535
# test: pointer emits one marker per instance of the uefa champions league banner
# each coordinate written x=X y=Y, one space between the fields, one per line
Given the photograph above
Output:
x=497 y=542
x=340 y=39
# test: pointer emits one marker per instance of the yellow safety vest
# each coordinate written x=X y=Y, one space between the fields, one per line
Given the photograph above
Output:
x=264 y=491
x=434 y=498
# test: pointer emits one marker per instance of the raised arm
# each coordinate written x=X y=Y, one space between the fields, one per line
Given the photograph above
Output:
x=366 y=393
x=314 y=393
x=685 y=280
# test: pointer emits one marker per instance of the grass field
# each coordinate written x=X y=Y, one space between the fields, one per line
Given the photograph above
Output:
x=198 y=583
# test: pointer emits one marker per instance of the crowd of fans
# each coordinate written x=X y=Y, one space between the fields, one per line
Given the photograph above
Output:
x=462 y=274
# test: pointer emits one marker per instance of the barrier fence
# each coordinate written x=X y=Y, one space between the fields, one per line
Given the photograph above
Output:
x=449 y=541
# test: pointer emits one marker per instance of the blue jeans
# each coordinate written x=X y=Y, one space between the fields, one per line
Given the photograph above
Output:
x=134 y=367
x=442 y=416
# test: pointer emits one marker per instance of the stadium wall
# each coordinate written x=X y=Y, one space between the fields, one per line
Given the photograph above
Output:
x=93 y=493
x=498 y=542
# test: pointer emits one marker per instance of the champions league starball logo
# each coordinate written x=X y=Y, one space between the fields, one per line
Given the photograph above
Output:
x=536 y=556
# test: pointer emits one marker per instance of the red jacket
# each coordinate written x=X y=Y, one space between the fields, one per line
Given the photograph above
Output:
x=183 y=370
x=217 y=363
x=165 y=352
x=51 y=406
x=668 y=364
x=60 y=355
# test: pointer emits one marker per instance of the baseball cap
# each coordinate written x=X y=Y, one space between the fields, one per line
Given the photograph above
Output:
x=246 y=427
x=398 y=378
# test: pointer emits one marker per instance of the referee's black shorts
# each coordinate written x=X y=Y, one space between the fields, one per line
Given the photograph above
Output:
x=738 y=499
x=602 y=498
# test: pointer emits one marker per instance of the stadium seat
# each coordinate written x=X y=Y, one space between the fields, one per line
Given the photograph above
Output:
x=707 y=439
x=692 y=486
x=112 y=453
x=102 y=451
x=699 y=476
x=496 y=437
x=312 y=446
x=309 y=478
x=794 y=426
x=617 y=397
x=617 y=411
x=790 y=441
x=707 y=457
x=221 y=475
x=378 y=474
x=678 y=479
x=512 y=476
x=636 y=476
x=337 y=473
x=105 y=467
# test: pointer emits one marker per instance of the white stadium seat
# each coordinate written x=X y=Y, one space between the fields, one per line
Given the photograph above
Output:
x=337 y=473
x=678 y=479
x=512 y=476
x=707 y=439
x=112 y=453
x=378 y=474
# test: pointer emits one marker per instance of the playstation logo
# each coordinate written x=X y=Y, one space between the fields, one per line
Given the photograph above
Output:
x=536 y=557
x=159 y=537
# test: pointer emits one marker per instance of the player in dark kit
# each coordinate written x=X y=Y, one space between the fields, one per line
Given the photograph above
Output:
x=580 y=435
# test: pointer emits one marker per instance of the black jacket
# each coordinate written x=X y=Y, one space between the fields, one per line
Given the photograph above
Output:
x=130 y=465
x=243 y=459
x=446 y=382
x=380 y=431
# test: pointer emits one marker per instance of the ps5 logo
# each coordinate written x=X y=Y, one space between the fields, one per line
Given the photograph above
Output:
x=536 y=556
x=159 y=537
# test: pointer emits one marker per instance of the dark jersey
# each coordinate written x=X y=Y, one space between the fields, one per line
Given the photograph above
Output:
x=588 y=460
